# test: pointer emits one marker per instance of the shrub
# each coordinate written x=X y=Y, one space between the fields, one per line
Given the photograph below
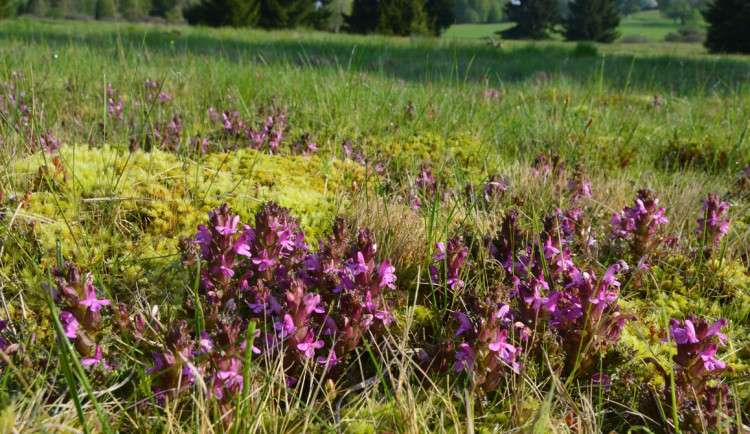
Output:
x=634 y=39
x=585 y=49
x=687 y=35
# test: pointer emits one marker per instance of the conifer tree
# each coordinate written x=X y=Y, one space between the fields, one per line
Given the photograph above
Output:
x=534 y=19
x=400 y=17
x=286 y=14
x=729 y=31
x=592 y=20
x=217 y=13
x=440 y=15
x=363 y=18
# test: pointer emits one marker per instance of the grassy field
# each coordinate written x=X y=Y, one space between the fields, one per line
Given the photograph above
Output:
x=648 y=24
x=495 y=186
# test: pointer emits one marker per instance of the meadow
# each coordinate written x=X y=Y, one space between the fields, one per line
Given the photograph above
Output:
x=649 y=25
x=248 y=231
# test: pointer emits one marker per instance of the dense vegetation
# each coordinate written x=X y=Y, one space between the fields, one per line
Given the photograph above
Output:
x=368 y=234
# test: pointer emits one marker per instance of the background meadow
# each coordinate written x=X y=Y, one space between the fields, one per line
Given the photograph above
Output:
x=459 y=309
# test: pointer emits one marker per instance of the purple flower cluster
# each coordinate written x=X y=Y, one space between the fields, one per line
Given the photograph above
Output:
x=16 y=108
x=450 y=261
x=639 y=222
x=271 y=134
x=700 y=402
x=81 y=313
x=45 y=141
x=487 y=350
x=426 y=185
x=166 y=135
x=154 y=93
x=304 y=145
x=173 y=366
x=493 y=192
x=490 y=94
x=586 y=316
x=504 y=245
x=545 y=287
x=115 y=104
x=311 y=308
x=357 y=154
x=549 y=166
x=712 y=227
x=578 y=185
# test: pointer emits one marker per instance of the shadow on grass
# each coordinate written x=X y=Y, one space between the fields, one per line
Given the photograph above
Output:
x=415 y=60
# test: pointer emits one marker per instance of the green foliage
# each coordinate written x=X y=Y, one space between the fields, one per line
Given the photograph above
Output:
x=286 y=14
x=592 y=20
x=627 y=7
x=440 y=15
x=729 y=31
x=534 y=19
x=683 y=10
x=37 y=7
x=400 y=17
x=217 y=13
x=688 y=35
x=585 y=49
x=105 y=9
x=479 y=11
x=495 y=15
x=132 y=9
x=339 y=9
x=363 y=17
x=161 y=8
x=6 y=9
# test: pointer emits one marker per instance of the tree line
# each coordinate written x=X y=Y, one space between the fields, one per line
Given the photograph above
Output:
x=577 y=20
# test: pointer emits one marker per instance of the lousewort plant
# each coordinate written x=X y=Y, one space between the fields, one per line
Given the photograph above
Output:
x=81 y=312
x=712 y=227
x=639 y=223
x=701 y=400
x=312 y=309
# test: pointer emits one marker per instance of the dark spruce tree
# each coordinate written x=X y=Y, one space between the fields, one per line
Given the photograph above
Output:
x=218 y=13
x=729 y=30
x=440 y=15
x=363 y=18
x=321 y=18
x=592 y=20
x=287 y=14
x=534 y=19
x=400 y=17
